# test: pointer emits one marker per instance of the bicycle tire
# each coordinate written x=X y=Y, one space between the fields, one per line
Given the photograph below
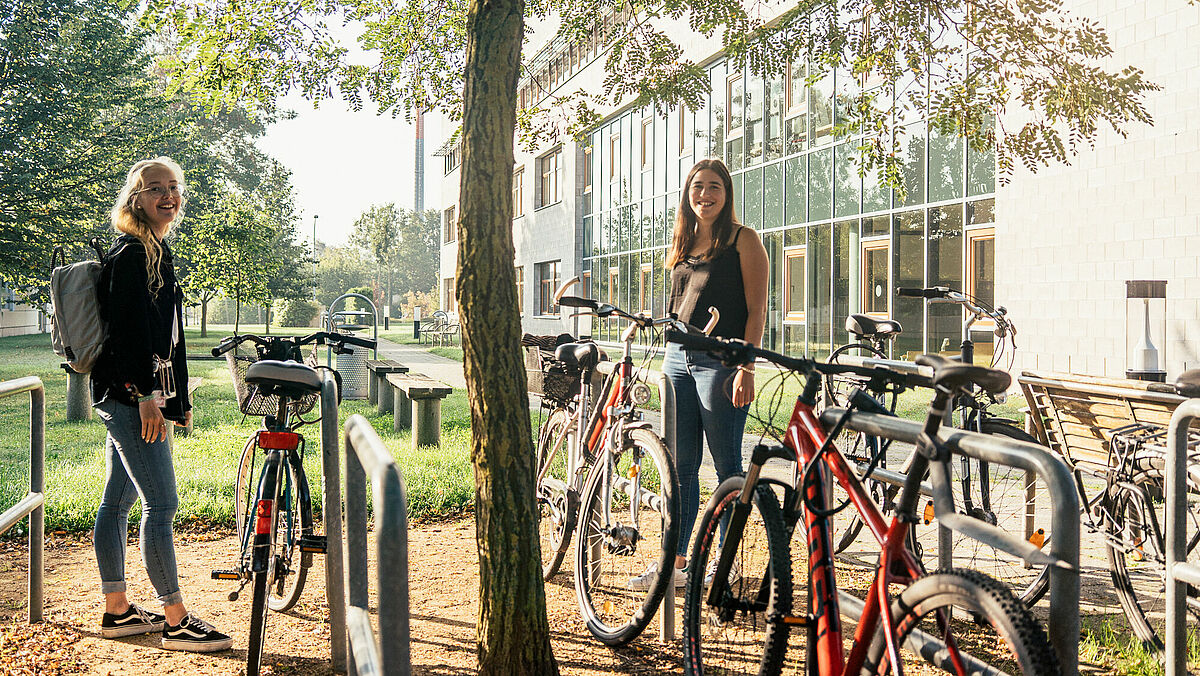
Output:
x=1004 y=506
x=555 y=507
x=258 y=623
x=614 y=612
x=288 y=581
x=1137 y=551
x=762 y=554
x=244 y=491
x=1018 y=639
x=856 y=446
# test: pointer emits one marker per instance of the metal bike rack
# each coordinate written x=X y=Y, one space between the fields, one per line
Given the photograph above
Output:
x=1064 y=545
x=335 y=590
x=33 y=504
x=1179 y=571
x=666 y=398
x=390 y=653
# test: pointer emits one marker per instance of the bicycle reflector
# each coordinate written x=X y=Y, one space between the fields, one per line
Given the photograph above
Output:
x=278 y=441
x=263 y=514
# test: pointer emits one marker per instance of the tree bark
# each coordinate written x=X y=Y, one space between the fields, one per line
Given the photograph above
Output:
x=203 y=318
x=512 y=632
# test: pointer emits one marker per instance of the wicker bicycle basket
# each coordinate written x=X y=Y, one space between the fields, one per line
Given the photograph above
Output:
x=553 y=380
x=251 y=401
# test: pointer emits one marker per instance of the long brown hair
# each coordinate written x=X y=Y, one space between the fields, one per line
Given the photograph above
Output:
x=130 y=221
x=685 y=219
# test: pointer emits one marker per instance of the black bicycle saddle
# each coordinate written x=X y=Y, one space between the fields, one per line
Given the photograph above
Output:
x=956 y=375
x=862 y=326
x=581 y=355
x=289 y=378
x=1188 y=384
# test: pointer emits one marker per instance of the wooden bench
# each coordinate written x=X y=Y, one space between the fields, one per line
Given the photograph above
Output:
x=417 y=403
x=1074 y=415
x=377 y=370
x=192 y=383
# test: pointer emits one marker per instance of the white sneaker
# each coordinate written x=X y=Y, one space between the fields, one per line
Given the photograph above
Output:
x=646 y=580
x=735 y=572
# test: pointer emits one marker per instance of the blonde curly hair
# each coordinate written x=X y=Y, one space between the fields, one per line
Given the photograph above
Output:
x=130 y=221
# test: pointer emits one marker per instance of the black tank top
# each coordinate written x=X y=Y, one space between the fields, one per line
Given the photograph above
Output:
x=697 y=284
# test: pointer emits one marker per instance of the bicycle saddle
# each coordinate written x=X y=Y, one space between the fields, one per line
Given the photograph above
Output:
x=862 y=325
x=289 y=378
x=1188 y=384
x=956 y=375
x=581 y=355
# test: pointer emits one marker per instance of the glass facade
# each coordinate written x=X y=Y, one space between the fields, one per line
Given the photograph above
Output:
x=837 y=240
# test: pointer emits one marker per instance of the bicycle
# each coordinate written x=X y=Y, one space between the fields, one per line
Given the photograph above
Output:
x=274 y=515
x=996 y=495
x=604 y=463
x=748 y=607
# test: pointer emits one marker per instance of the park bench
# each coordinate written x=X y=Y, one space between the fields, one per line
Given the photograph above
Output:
x=1075 y=415
x=417 y=403
x=377 y=372
x=431 y=329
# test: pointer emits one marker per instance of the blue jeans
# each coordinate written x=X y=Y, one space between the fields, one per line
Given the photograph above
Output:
x=134 y=468
x=703 y=406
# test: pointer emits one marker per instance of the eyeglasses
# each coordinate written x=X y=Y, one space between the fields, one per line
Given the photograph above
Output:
x=158 y=191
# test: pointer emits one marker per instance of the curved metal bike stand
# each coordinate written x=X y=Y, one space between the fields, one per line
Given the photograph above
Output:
x=335 y=591
x=329 y=313
x=1179 y=571
x=33 y=504
x=1063 y=624
x=366 y=455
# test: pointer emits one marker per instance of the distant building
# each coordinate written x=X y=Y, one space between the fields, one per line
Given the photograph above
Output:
x=1054 y=247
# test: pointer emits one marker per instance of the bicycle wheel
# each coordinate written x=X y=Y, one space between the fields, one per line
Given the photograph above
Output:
x=556 y=508
x=858 y=448
x=1135 y=528
x=1003 y=496
x=989 y=623
x=262 y=582
x=735 y=636
x=243 y=491
x=622 y=538
x=291 y=566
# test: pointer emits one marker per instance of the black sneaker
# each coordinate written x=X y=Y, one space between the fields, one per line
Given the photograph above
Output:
x=194 y=635
x=133 y=621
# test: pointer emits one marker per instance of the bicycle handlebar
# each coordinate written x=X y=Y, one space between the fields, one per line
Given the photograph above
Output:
x=932 y=292
x=320 y=338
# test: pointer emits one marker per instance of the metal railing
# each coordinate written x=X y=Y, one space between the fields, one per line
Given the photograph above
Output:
x=1063 y=623
x=33 y=504
x=366 y=456
x=335 y=590
x=1179 y=572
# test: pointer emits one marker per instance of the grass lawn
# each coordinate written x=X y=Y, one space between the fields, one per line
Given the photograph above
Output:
x=439 y=480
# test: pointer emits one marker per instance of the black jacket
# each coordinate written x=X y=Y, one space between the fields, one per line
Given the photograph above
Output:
x=139 y=326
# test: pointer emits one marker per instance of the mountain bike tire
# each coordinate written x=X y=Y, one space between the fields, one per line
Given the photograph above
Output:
x=735 y=636
x=612 y=549
x=997 y=628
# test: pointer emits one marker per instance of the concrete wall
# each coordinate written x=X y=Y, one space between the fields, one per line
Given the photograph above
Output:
x=1069 y=237
x=23 y=320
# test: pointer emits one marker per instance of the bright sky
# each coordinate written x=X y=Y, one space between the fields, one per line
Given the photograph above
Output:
x=343 y=162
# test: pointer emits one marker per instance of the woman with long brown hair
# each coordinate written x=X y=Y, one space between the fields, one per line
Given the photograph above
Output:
x=715 y=261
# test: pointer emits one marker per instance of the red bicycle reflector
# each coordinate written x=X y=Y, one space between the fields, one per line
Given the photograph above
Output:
x=263 y=513
x=278 y=441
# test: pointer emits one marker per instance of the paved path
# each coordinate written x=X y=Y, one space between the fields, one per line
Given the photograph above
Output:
x=419 y=360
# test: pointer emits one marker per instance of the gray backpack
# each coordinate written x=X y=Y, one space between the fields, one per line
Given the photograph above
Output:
x=78 y=329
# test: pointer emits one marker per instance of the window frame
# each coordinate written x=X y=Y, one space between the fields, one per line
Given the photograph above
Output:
x=647 y=158
x=587 y=169
x=547 y=286
x=519 y=275
x=645 y=287
x=551 y=178
x=687 y=133
x=730 y=133
x=970 y=236
x=449 y=295
x=614 y=277
x=867 y=247
x=788 y=255
x=449 y=231
x=518 y=192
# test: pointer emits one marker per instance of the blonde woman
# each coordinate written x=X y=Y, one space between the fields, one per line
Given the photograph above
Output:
x=132 y=385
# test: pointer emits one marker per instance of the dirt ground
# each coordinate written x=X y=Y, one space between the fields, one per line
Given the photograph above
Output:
x=443 y=579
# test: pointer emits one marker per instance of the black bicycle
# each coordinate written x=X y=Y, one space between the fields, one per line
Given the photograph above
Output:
x=275 y=521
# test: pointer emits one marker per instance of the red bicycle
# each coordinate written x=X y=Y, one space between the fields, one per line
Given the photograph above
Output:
x=741 y=623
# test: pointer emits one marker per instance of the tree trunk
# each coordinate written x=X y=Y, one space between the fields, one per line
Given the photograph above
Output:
x=512 y=632
x=267 y=322
x=204 y=318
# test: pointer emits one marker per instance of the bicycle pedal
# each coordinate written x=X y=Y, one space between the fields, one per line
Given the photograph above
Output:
x=229 y=574
x=313 y=544
x=789 y=620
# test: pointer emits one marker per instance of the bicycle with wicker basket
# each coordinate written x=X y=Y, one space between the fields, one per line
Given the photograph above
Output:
x=273 y=507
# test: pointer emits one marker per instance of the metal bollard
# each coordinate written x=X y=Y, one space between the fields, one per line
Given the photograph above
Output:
x=79 y=394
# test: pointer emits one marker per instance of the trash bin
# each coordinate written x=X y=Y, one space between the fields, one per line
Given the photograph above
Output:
x=352 y=366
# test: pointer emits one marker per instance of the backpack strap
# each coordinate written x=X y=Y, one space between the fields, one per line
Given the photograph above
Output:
x=57 y=256
x=97 y=243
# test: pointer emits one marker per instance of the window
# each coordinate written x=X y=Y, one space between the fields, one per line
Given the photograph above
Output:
x=548 y=281
x=645 y=288
x=981 y=265
x=614 y=273
x=449 y=231
x=647 y=144
x=687 y=131
x=518 y=192
x=520 y=275
x=875 y=295
x=587 y=170
x=614 y=152
x=734 y=94
x=449 y=300
x=452 y=158
x=550 y=172
x=794 y=285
